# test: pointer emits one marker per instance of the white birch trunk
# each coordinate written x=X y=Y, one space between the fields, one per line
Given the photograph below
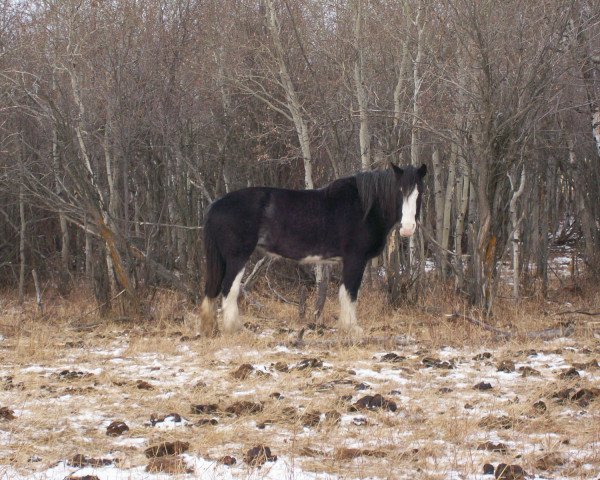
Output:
x=400 y=88
x=112 y=201
x=62 y=219
x=589 y=69
x=414 y=142
x=136 y=215
x=459 y=229
x=437 y=192
x=295 y=109
x=22 y=258
x=516 y=237
x=583 y=212
x=361 y=93
x=293 y=103
x=443 y=205
x=97 y=206
x=462 y=205
x=88 y=251
x=417 y=82
x=438 y=200
x=445 y=237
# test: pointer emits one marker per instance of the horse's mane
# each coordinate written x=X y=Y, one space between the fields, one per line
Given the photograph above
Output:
x=380 y=187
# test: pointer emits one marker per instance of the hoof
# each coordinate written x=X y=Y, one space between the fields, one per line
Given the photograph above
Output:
x=208 y=318
x=209 y=331
x=232 y=328
x=352 y=331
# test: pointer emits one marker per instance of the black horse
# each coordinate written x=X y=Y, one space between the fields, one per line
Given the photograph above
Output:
x=349 y=219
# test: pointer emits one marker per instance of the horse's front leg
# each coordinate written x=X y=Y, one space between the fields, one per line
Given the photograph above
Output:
x=352 y=274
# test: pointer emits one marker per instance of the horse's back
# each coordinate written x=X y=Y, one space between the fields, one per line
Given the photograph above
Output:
x=291 y=223
x=305 y=223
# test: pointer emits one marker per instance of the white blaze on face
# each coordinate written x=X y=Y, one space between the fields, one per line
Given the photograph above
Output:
x=408 y=222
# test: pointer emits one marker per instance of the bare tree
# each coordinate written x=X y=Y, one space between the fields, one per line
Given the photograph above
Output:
x=123 y=121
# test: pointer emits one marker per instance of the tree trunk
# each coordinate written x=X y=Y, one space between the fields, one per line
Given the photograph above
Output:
x=295 y=109
x=583 y=210
x=546 y=205
x=588 y=207
x=99 y=279
x=22 y=258
x=293 y=103
x=361 y=93
x=64 y=274
x=416 y=249
x=438 y=201
x=588 y=71
x=483 y=241
x=459 y=229
x=89 y=262
x=516 y=228
x=97 y=203
x=400 y=89
x=445 y=236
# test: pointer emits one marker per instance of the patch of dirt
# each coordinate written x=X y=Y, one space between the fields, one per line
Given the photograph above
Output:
x=203 y=408
x=144 y=385
x=243 y=372
x=167 y=448
x=171 y=418
x=352 y=453
x=374 y=402
x=116 y=428
x=392 y=358
x=483 y=386
x=433 y=362
x=7 y=414
x=493 y=447
x=258 y=456
x=506 y=366
x=244 y=407
x=80 y=461
x=173 y=465
x=510 y=472
x=308 y=363
x=228 y=460
x=73 y=375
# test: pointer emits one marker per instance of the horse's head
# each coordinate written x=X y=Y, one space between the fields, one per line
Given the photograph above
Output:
x=410 y=183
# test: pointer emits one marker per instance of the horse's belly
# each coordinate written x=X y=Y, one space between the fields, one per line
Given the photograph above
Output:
x=299 y=256
x=305 y=241
x=319 y=259
x=299 y=252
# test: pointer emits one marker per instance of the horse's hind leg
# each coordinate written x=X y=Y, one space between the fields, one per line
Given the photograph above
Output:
x=352 y=273
x=208 y=317
x=215 y=271
x=231 y=290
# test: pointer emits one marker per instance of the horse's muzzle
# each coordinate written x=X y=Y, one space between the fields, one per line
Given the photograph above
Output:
x=408 y=231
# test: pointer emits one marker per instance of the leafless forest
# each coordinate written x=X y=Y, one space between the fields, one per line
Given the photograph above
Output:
x=120 y=121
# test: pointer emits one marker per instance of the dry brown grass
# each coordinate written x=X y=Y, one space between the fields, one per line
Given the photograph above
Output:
x=431 y=435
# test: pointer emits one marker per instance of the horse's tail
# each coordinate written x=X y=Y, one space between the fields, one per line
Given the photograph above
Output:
x=215 y=263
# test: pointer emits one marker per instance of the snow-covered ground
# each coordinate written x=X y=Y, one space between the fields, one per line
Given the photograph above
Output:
x=454 y=409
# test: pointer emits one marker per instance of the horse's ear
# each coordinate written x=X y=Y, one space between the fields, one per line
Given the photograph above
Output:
x=397 y=170
x=422 y=170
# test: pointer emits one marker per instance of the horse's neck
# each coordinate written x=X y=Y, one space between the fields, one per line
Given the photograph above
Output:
x=378 y=215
